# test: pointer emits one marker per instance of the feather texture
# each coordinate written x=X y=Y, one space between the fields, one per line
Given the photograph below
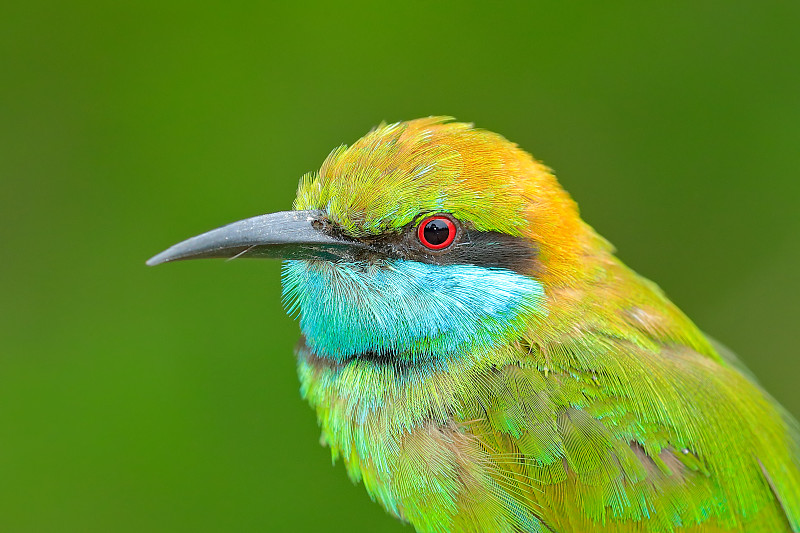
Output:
x=569 y=395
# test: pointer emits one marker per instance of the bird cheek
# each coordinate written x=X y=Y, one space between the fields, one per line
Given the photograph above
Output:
x=406 y=309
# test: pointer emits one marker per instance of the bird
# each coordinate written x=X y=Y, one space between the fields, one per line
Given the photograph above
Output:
x=481 y=361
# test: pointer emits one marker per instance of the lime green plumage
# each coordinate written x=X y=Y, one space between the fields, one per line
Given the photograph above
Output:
x=608 y=410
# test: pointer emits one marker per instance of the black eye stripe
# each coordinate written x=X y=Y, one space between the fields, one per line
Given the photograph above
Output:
x=470 y=247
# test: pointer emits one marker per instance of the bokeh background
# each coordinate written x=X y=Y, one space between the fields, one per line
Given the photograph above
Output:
x=165 y=400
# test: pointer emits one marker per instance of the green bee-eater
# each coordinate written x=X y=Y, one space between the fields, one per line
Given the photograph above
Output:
x=481 y=361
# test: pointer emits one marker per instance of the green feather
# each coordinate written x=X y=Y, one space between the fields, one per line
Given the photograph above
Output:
x=603 y=408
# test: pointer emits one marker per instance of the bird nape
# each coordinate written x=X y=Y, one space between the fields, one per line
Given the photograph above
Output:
x=481 y=361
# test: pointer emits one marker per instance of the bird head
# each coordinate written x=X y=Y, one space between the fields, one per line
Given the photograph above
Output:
x=424 y=240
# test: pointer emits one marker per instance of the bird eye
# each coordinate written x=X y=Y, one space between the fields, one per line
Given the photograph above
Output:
x=436 y=232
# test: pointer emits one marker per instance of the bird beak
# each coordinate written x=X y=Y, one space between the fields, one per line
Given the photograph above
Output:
x=284 y=235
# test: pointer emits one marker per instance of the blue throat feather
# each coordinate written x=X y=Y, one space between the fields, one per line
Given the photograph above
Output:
x=414 y=311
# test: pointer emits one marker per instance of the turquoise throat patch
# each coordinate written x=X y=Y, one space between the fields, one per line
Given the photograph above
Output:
x=410 y=310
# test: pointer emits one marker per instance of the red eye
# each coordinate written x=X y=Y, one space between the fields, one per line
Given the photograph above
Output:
x=436 y=232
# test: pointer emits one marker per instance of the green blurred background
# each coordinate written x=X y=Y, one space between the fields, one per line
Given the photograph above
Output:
x=136 y=399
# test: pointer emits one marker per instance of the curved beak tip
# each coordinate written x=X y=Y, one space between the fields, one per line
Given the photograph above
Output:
x=155 y=260
x=173 y=253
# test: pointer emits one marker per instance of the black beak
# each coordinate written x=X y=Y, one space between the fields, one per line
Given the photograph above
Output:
x=284 y=235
